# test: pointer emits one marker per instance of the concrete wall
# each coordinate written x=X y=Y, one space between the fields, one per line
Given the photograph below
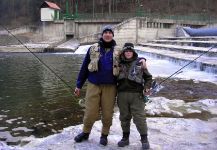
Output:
x=88 y=29
x=125 y=32
x=52 y=31
x=69 y=27
x=89 y=39
x=135 y=30
x=149 y=34
x=213 y=25
x=21 y=30
x=47 y=31
x=81 y=28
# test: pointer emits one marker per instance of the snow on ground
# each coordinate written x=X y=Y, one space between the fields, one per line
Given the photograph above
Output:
x=164 y=134
x=178 y=108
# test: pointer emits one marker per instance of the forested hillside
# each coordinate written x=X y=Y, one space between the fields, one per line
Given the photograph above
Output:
x=18 y=12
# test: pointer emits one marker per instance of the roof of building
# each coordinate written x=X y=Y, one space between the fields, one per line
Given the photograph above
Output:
x=50 y=5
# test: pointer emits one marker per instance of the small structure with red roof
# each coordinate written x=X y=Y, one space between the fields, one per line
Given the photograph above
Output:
x=50 y=11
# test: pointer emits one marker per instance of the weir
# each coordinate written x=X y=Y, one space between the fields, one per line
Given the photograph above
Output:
x=184 y=54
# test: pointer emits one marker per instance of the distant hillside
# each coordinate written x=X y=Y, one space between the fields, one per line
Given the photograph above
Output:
x=19 y=12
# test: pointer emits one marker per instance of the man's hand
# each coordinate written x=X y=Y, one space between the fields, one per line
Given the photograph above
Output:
x=77 y=91
x=147 y=92
x=143 y=61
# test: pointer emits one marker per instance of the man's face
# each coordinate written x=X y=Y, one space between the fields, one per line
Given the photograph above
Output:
x=107 y=36
x=128 y=54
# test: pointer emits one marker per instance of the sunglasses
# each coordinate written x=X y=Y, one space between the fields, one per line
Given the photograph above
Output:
x=128 y=48
x=128 y=51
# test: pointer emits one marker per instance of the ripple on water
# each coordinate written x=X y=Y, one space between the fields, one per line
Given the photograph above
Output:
x=2 y=117
x=25 y=129
x=3 y=128
x=10 y=121
x=5 y=111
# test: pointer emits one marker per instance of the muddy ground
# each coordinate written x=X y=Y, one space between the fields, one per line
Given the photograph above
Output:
x=187 y=90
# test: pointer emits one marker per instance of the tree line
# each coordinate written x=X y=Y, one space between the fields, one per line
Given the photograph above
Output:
x=19 y=12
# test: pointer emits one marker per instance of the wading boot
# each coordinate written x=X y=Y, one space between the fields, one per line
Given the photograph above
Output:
x=125 y=140
x=81 y=137
x=103 y=140
x=145 y=143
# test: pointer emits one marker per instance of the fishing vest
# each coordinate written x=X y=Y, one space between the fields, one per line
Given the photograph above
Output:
x=134 y=73
x=95 y=55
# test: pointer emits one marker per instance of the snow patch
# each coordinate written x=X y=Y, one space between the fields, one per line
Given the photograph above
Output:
x=22 y=129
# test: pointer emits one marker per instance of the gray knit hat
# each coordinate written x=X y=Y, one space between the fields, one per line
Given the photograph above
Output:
x=108 y=28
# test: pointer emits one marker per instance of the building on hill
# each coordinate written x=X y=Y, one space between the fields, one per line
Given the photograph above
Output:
x=50 y=11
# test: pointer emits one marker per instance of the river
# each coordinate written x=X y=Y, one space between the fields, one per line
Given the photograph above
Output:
x=32 y=100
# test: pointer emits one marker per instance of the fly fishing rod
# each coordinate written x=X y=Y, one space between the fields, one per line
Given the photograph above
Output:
x=179 y=71
x=44 y=64
x=155 y=86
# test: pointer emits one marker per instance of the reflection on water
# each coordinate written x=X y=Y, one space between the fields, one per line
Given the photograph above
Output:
x=32 y=100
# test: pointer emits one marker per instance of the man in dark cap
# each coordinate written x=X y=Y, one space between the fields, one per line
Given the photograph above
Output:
x=132 y=82
x=97 y=67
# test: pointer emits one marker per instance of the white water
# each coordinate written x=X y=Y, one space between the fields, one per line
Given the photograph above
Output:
x=164 y=68
x=82 y=49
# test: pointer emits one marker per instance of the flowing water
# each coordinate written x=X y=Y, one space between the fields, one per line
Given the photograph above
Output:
x=32 y=100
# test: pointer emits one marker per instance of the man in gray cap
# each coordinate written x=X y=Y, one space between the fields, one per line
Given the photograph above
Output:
x=98 y=67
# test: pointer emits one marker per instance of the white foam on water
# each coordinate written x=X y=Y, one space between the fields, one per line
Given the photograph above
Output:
x=22 y=129
x=165 y=68
x=82 y=49
x=64 y=53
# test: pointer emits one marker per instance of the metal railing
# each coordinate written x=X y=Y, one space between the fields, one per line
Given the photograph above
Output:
x=191 y=17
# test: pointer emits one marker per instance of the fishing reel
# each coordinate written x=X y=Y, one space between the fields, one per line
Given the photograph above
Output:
x=154 y=89
x=81 y=102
